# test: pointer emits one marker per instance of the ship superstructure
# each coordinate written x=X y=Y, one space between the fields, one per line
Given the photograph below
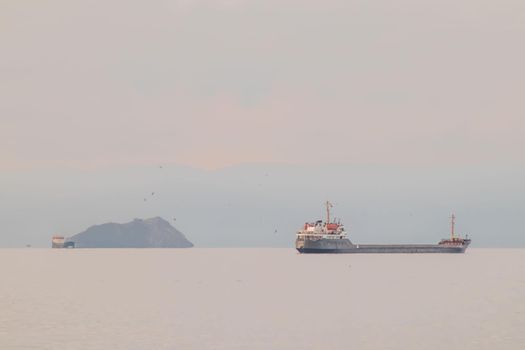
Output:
x=318 y=230
x=331 y=237
x=57 y=241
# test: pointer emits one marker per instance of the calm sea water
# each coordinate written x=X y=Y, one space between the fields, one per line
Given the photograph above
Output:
x=260 y=299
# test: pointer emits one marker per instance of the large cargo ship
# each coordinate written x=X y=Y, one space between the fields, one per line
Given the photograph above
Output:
x=331 y=237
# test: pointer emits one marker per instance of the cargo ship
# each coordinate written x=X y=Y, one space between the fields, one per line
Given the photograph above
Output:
x=60 y=242
x=330 y=237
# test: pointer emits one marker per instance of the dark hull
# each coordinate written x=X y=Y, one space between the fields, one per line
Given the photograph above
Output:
x=344 y=246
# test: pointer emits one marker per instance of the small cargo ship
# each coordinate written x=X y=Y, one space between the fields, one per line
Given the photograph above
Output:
x=60 y=242
x=330 y=237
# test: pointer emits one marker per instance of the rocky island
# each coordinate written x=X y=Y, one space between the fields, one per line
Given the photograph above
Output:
x=149 y=233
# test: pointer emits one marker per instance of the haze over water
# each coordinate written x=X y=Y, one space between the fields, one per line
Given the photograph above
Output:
x=260 y=299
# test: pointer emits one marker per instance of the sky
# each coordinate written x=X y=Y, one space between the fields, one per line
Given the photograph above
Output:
x=109 y=87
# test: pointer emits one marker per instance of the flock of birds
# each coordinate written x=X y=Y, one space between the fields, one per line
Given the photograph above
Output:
x=175 y=219
x=153 y=193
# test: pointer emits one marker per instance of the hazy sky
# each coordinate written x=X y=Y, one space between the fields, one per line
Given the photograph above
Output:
x=416 y=107
x=214 y=83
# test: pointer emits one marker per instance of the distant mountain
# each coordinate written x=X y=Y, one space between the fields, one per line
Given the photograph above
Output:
x=149 y=233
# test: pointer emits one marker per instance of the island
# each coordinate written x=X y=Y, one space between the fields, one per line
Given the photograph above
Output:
x=148 y=233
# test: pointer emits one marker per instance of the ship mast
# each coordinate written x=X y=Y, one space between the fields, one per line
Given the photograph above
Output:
x=452 y=223
x=328 y=206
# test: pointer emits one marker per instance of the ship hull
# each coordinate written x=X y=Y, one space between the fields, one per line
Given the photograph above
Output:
x=344 y=246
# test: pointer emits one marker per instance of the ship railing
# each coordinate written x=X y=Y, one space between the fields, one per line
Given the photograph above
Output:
x=316 y=236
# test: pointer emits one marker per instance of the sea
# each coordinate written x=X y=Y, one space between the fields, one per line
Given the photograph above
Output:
x=260 y=298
